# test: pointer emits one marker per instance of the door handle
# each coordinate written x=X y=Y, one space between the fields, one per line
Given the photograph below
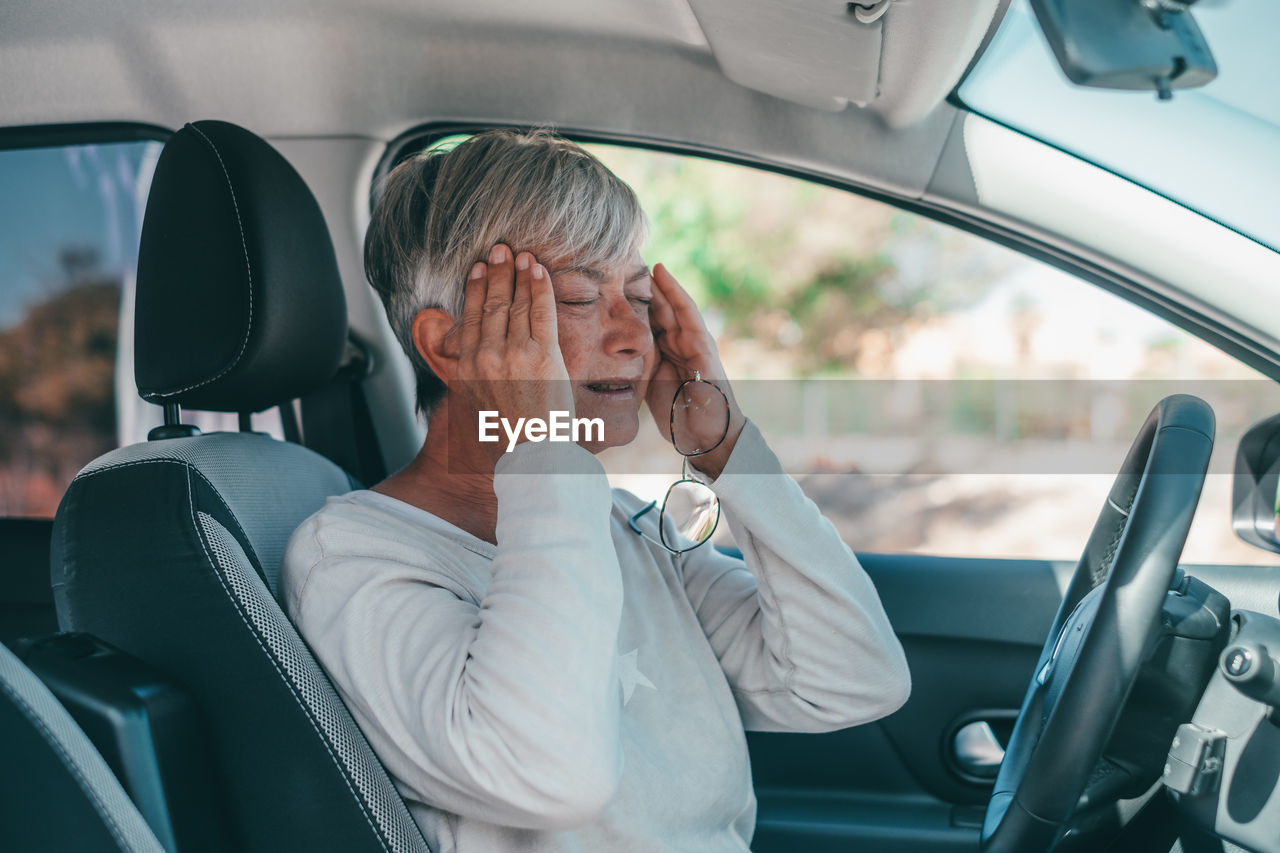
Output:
x=976 y=750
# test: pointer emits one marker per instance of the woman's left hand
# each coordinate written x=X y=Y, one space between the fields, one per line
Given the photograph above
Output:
x=685 y=347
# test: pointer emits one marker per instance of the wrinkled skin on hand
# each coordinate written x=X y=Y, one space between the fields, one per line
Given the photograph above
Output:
x=509 y=357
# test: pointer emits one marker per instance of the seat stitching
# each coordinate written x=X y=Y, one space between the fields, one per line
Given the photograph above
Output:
x=217 y=566
x=71 y=763
x=1108 y=555
x=244 y=246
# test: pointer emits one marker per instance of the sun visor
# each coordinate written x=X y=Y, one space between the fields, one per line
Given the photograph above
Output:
x=898 y=57
x=820 y=53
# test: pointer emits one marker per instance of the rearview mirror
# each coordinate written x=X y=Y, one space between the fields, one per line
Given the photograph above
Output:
x=1254 y=492
x=1127 y=44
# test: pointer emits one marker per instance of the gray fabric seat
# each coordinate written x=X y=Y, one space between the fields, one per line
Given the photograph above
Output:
x=170 y=550
x=56 y=791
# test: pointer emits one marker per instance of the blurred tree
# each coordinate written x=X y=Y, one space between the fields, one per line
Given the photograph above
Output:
x=697 y=223
x=57 y=384
x=841 y=303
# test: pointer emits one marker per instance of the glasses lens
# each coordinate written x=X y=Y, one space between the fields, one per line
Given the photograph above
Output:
x=699 y=418
x=689 y=515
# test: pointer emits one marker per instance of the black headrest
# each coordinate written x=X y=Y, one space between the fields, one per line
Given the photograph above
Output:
x=240 y=305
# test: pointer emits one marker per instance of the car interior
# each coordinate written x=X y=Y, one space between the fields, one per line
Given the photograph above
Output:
x=155 y=696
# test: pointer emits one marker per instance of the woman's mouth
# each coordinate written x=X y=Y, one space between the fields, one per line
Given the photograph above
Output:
x=612 y=389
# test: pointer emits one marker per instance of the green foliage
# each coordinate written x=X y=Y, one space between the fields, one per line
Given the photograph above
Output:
x=843 y=299
x=848 y=287
x=696 y=231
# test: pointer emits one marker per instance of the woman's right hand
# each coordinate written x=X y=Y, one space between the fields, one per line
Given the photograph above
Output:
x=509 y=357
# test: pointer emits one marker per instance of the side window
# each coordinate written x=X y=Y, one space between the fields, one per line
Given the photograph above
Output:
x=69 y=221
x=932 y=391
x=70 y=218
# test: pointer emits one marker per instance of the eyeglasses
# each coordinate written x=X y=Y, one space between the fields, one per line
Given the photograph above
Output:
x=690 y=511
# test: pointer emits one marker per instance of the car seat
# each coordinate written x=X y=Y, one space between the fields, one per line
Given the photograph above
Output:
x=170 y=549
x=56 y=791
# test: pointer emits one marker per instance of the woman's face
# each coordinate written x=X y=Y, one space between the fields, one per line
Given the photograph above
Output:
x=607 y=343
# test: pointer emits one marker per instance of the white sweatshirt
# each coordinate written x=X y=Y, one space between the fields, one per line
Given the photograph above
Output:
x=576 y=687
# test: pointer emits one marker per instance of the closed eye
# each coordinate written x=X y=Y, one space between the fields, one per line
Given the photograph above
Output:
x=577 y=301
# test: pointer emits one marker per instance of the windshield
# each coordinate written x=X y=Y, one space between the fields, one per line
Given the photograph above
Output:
x=1215 y=149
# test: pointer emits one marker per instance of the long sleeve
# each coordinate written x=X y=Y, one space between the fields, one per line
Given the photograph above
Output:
x=796 y=624
x=504 y=710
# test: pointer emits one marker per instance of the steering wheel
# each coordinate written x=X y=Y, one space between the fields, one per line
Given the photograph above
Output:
x=1104 y=630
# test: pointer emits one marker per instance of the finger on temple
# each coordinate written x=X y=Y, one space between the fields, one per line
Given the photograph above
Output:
x=472 y=309
x=542 y=310
x=682 y=304
x=662 y=315
x=497 y=297
x=518 y=328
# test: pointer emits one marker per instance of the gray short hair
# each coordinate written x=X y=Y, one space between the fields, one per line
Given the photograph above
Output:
x=443 y=210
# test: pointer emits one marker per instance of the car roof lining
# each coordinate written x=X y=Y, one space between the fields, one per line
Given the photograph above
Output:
x=300 y=68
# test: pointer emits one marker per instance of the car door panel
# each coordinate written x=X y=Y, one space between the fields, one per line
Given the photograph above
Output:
x=972 y=630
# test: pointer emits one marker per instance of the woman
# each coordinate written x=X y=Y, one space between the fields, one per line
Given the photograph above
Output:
x=536 y=669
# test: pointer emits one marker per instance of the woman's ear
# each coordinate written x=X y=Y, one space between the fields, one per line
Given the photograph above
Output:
x=438 y=348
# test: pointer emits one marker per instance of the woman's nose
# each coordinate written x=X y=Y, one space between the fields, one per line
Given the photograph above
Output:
x=628 y=328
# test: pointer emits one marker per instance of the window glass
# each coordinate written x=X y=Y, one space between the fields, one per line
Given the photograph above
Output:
x=1018 y=83
x=932 y=391
x=69 y=220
